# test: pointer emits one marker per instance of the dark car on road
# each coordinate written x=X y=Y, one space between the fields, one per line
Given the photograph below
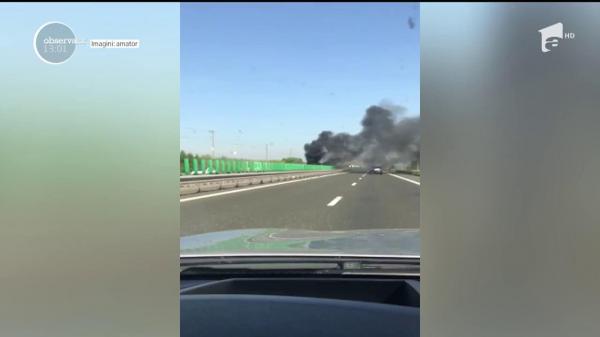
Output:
x=376 y=170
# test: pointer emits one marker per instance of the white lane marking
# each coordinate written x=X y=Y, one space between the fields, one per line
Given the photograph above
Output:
x=409 y=180
x=360 y=178
x=353 y=184
x=255 y=187
x=334 y=201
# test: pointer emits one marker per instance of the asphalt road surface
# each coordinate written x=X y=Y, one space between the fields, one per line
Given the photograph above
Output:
x=339 y=202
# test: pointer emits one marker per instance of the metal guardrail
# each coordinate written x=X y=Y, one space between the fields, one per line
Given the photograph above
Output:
x=222 y=182
x=191 y=178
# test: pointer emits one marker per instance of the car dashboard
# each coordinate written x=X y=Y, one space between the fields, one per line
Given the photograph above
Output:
x=278 y=304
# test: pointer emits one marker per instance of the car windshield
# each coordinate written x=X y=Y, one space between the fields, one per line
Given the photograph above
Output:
x=300 y=129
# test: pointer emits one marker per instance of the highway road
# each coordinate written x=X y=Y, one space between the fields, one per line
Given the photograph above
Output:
x=338 y=202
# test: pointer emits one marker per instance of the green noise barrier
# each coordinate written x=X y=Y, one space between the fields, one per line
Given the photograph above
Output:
x=195 y=165
x=229 y=166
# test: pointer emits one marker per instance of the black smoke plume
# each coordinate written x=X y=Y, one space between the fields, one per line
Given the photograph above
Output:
x=385 y=140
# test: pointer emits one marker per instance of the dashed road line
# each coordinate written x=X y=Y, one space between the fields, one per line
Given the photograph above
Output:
x=334 y=201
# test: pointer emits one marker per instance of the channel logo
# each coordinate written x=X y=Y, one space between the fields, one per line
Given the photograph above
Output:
x=551 y=35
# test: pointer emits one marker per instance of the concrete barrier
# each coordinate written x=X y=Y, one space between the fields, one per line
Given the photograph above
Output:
x=190 y=189
x=227 y=184
x=193 y=187
x=210 y=174
x=243 y=182
x=211 y=186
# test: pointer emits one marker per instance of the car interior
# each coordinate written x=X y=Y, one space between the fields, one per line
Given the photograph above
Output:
x=299 y=302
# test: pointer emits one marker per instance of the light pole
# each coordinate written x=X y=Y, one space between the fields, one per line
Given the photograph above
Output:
x=212 y=138
x=267 y=149
x=236 y=149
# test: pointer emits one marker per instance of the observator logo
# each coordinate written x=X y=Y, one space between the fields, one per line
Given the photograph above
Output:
x=551 y=36
x=54 y=43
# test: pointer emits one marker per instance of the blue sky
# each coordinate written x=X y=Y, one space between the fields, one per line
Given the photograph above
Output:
x=282 y=73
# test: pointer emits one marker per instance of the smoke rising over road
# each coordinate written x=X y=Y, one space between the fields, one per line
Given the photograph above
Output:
x=387 y=139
